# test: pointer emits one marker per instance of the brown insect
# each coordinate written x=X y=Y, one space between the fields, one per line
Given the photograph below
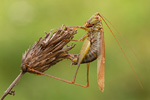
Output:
x=94 y=48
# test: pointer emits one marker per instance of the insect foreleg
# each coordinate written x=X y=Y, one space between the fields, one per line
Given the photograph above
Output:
x=81 y=39
x=81 y=27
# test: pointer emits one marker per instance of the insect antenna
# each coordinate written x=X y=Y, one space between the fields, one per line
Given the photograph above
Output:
x=126 y=42
x=122 y=51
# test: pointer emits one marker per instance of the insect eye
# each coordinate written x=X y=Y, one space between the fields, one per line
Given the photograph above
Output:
x=96 y=17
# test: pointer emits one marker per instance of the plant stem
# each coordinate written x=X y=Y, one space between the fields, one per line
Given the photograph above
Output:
x=8 y=91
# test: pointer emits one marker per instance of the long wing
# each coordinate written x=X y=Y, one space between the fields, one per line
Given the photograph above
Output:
x=101 y=61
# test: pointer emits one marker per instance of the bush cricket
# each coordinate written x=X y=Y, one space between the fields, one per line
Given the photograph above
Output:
x=94 y=48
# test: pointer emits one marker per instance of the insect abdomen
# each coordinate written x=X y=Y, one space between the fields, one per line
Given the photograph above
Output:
x=94 y=49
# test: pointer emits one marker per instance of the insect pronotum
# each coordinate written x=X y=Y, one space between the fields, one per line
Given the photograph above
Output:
x=92 y=49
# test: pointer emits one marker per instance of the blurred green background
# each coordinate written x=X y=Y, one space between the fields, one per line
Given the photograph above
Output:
x=22 y=22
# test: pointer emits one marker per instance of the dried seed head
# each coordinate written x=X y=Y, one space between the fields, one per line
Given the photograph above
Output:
x=48 y=51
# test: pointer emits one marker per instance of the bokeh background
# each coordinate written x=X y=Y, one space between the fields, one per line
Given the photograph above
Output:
x=22 y=22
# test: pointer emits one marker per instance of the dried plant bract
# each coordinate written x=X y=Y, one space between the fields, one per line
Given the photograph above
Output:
x=48 y=51
x=45 y=53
